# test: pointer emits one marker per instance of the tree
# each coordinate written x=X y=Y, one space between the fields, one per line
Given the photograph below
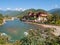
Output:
x=1 y=18
x=49 y=18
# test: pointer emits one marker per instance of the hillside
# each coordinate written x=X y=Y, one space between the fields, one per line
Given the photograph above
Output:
x=55 y=11
x=10 y=12
x=33 y=10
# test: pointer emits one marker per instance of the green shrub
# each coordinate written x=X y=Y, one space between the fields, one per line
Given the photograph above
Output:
x=58 y=22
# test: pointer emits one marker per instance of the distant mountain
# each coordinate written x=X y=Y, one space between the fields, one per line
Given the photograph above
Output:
x=2 y=12
x=55 y=11
x=10 y=12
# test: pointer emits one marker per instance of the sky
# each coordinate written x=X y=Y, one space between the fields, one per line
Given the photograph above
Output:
x=27 y=4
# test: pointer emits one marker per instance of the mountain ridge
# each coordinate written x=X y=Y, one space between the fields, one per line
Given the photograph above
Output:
x=10 y=12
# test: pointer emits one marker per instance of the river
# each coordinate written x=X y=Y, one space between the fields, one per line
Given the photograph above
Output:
x=16 y=28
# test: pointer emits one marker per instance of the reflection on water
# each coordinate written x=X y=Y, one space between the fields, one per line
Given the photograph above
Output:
x=16 y=29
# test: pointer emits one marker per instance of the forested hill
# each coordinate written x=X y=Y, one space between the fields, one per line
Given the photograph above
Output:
x=33 y=10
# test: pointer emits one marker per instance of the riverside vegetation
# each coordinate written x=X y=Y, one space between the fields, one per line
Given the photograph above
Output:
x=1 y=18
x=34 y=37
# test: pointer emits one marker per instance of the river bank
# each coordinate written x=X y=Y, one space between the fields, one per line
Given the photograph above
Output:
x=2 y=23
x=56 y=28
x=7 y=19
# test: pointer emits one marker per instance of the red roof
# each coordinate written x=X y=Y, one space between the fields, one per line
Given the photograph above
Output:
x=44 y=15
x=37 y=14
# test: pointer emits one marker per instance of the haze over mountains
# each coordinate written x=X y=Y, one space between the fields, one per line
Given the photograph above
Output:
x=10 y=12
x=55 y=11
x=16 y=12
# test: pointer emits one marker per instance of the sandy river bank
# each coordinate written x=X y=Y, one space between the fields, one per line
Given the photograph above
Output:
x=57 y=28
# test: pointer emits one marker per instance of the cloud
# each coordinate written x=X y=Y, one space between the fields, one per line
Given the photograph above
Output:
x=8 y=8
x=19 y=9
x=16 y=9
x=0 y=8
x=23 y=9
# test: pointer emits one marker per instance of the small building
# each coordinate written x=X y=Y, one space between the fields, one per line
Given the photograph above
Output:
x=42 y=18
x=39 y=16
x=31 y=14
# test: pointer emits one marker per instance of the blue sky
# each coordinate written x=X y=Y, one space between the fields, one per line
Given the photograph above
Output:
x=26 y=4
